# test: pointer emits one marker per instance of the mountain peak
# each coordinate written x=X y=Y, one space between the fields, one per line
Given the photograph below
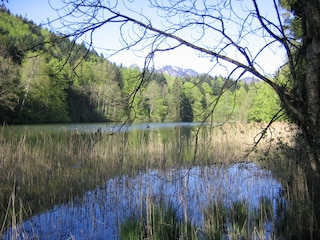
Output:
x=249 y=80
x=177 y=71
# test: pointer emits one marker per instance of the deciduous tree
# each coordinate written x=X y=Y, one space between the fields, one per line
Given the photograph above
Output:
x=9 y=84
x=243 y=31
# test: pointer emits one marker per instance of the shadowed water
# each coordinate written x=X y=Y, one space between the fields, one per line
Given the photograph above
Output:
x=99 y=213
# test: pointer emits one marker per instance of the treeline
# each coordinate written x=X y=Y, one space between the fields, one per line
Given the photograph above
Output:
x=47 y=78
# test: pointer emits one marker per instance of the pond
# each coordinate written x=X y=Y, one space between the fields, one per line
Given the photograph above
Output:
x=100 y=212
x=190 y=189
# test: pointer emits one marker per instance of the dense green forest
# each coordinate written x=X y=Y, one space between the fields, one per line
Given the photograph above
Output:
x=45 y=77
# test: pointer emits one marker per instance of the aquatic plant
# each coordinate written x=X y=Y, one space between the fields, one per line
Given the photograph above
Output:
x=48 y=168
x=220 y=221
x=214 y=223
x=159 y=222
x=238 y=221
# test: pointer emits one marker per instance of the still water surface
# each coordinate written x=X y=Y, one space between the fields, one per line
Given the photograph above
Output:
x=100 y=212
x=104 y=127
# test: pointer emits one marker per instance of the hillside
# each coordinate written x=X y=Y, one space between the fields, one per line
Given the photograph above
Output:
x=46 y=78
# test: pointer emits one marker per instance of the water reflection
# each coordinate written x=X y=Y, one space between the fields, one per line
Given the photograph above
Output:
x=99 y=213
x=103 y=127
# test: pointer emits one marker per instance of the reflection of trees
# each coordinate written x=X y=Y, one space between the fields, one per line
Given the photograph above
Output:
x=234 y=32
x=298 y=35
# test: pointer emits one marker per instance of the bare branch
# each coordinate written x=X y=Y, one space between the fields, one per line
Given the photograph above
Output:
x=188 y=23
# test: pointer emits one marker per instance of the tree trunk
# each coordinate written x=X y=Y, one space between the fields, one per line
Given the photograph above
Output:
x=311 y=127
x=311 y=43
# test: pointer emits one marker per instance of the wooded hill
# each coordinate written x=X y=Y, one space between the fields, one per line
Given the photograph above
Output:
x=45 y=78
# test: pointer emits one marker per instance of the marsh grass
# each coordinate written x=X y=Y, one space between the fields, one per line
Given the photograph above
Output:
x=285 y=156
x=159 y=221
x=296 y=215
x=47 y=168
x=237 y=221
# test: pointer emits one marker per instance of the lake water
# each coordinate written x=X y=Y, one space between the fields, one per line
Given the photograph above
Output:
x=99 y=213
x=103 y=127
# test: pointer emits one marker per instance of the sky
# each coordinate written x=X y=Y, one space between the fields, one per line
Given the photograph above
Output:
x=40 y=12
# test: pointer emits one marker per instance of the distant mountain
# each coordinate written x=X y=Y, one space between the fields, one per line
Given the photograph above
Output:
x=182 y=72
x=177 y=71
x=249 y=80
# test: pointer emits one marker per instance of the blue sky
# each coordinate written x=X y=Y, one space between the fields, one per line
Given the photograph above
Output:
x=40 y=11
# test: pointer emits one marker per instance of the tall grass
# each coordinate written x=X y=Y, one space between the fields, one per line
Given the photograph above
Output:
x=237 y=221
x=41 y=169
x=159 y=221
x=296 y=220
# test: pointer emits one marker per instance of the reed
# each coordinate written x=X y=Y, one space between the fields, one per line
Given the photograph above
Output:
x=284 y=155
x=159 y=221
x=237 y=221
x=47 y=168
x=296 y=215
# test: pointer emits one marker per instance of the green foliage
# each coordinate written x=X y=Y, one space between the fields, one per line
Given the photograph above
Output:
x=9 y=86
x=194 y=97
x=215 y=218
x=44 y=97
x=236 y=221
x=293 y=17
x=225 y=107
x=159 y=222
x=57 y=80
x=175 y=101
x=131 y=229
x=156 y=100
x=265 y=103
x=243 y=102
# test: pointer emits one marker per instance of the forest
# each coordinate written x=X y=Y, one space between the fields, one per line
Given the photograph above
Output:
x=47 y=78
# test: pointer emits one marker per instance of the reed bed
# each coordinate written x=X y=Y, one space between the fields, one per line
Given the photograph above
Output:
x=237 y=220
x=40 y=169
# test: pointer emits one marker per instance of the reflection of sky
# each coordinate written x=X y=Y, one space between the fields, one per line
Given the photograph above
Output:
x=99 y=214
